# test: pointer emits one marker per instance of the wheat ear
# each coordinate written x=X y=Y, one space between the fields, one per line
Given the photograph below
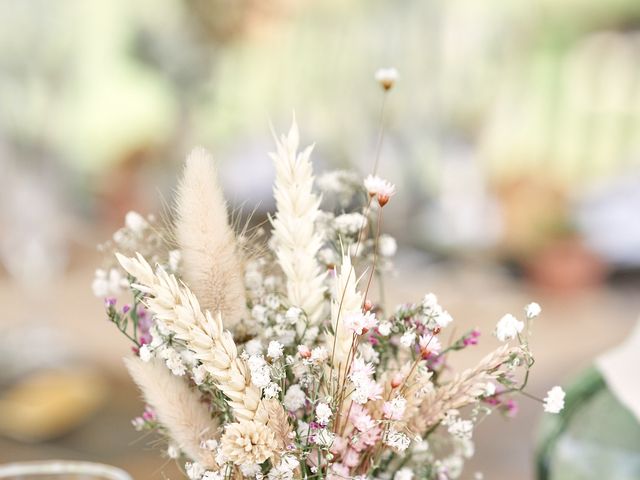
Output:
x=179 y=409
x=295 y=239
x=345 y=300
x=210 y=254
x=178 y=310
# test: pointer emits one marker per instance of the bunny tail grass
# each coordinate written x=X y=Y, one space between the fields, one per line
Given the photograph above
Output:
x=210 y=255
x=178 y=408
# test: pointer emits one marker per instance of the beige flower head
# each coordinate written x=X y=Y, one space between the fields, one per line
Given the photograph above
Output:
x=247 y=442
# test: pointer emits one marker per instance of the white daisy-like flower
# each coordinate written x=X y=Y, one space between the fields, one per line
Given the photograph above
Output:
x=359 y=322
x=554 y=401
x=532 y=310
x=386 y=77
x=508 y=327
x=380 y=187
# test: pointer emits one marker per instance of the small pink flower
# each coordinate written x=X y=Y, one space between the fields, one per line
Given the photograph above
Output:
x=360 y=418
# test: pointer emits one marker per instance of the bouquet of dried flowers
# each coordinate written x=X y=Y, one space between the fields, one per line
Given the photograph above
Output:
x=273 y=359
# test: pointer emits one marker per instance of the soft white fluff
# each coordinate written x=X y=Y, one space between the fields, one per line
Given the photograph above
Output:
x=294 y=236
x=345 y=300
x=210 y=257
x=179 y=409
x=176 y=309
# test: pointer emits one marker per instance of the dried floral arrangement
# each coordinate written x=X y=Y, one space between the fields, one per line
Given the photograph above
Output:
x=273 y=359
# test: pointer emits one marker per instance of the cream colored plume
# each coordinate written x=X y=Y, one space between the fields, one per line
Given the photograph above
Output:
x=464 y=389
x=296 y=241
x=179 y=409
x=177 y=309
x=345 y=300
x=210 y=255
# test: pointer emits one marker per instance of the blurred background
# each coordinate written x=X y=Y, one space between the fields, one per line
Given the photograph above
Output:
x=513 y=136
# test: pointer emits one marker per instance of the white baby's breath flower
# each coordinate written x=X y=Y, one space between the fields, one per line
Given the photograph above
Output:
x=408 y=339
x=250 y=470
x=260 y=375
x=403 y=474
x=199 y=374
x=387 y=246
x=274 y=350
x=490 y=389
x=253 y=347
x=174 y=362
x=135 y=222
x=350 y=223
x=384 y=329
x=145 y=353
x=461 y=428
x=111 y=283
x=194 y=470
x=443 y=319
x=397 y=440
x=328 y=256
x=319 y=354
x=293 y=315
x=323 y=413
x=173 y=451
x=259 y=312
x=211 y=475
x=554 y=401
x=508 y=327
x=386 y=77
x=272 y=390
x=295 y=398
x=532 y=310
x=324 y=438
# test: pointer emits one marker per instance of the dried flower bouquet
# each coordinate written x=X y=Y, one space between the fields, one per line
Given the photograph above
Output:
x=273 y=359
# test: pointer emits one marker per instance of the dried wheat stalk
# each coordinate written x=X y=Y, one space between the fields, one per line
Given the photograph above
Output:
x=178 y=310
